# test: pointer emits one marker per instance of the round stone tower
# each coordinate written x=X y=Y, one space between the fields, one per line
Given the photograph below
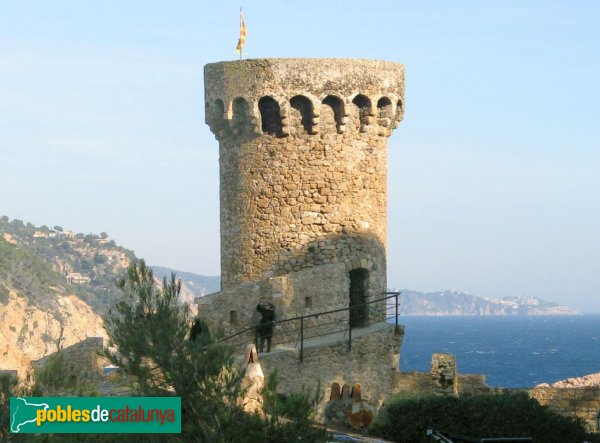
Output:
x=303 y=166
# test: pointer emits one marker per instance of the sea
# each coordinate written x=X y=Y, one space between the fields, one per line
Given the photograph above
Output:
x=511 y=351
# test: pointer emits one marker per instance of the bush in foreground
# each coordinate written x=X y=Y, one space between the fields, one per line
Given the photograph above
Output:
x=489 y=415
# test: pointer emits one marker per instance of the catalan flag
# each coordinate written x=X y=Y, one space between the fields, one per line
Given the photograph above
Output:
x=242 y=39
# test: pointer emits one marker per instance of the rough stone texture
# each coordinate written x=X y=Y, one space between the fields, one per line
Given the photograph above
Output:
x=572 y=402
x=253 y=382
x=574 y=382
x=308 y=291
x=443 y=379
x=28 y=332
x=84 y=356
x=443 y=367
x=303 y=163
x=372 y=363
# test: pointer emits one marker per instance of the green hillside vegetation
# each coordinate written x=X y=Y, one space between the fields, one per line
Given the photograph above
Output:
x=28 y=274
x=39 y=262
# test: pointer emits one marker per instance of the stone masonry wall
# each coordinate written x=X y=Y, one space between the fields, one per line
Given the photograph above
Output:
x=572 y=402
x=303 y=164
x=304 y=292
x=443 y=379
x=84 y=356
x=372 y=362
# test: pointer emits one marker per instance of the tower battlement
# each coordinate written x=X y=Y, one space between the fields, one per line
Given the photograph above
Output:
x=282 y=97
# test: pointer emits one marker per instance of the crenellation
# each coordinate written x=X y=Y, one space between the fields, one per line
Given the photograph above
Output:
x=302 y=116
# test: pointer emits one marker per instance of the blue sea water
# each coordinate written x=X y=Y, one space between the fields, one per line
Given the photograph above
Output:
x=511 y=351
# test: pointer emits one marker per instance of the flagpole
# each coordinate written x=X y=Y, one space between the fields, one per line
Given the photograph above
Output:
x=241 y=47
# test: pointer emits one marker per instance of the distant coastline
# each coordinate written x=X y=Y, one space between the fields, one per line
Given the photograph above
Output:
x=450 y=303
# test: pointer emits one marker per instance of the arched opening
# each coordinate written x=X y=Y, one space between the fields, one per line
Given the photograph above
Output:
x=216 y=116
x=305 y=107
x=270 y=114
x=217 y=110
x=399 y=110
x=359 y=283
x=241 y=111
x=337 y=106
x=363 y=104
x=384 y=108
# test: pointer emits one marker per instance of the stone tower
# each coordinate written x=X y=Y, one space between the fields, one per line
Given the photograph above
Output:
x=303 y=176
x=303 y=170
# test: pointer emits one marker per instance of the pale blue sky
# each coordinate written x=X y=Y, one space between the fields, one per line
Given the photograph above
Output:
x=494 y=175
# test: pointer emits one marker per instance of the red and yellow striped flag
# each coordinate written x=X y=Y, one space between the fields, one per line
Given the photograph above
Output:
x=242 y=39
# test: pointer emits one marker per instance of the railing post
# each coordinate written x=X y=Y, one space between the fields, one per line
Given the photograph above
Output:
x=396 y=312
x=301 y=338
x=349 y=335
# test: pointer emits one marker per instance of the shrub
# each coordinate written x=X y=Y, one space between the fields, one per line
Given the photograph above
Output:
x=489 y=415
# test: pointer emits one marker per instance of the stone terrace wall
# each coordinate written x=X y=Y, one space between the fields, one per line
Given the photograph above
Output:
x=308 y=291
x=444 y=378
x=373 y=360
x=425 y=383
x=83 y=356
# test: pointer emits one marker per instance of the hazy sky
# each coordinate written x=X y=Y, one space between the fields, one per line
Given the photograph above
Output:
x=494 y=174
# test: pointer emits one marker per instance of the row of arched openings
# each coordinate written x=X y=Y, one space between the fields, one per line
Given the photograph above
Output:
x=271 y=118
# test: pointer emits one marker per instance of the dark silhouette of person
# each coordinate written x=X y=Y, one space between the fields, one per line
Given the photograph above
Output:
x=265 y=328
x=198 y=328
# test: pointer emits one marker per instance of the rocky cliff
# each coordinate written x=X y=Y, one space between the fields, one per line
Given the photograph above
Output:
x=575 y=382
x=55 y=286
x=29 y=332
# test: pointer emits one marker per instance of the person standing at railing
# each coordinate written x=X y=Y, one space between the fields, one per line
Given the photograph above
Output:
x=265 y=328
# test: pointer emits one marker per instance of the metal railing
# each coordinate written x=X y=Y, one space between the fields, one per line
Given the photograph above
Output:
x=296 y=331
x=444 y=437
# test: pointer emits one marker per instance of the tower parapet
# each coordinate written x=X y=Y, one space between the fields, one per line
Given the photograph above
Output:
x=283 y=97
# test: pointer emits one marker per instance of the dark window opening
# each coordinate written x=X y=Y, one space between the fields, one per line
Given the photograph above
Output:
x=241 y=111
x=359 y=283
x=384 y=106
x=363 y=104
x=308 y=302
x=233 y=318
x=399 y=111
x=336 y=104
x=305 y=107
x=217 y=113
x=270 y=113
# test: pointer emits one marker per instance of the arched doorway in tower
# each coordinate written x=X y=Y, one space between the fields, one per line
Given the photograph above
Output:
x=359 y=283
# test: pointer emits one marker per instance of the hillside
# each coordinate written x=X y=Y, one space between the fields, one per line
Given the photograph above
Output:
x=44 y=258
x=192 y=285
x=40 y=310
x=460 y=303
x=55 y=286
